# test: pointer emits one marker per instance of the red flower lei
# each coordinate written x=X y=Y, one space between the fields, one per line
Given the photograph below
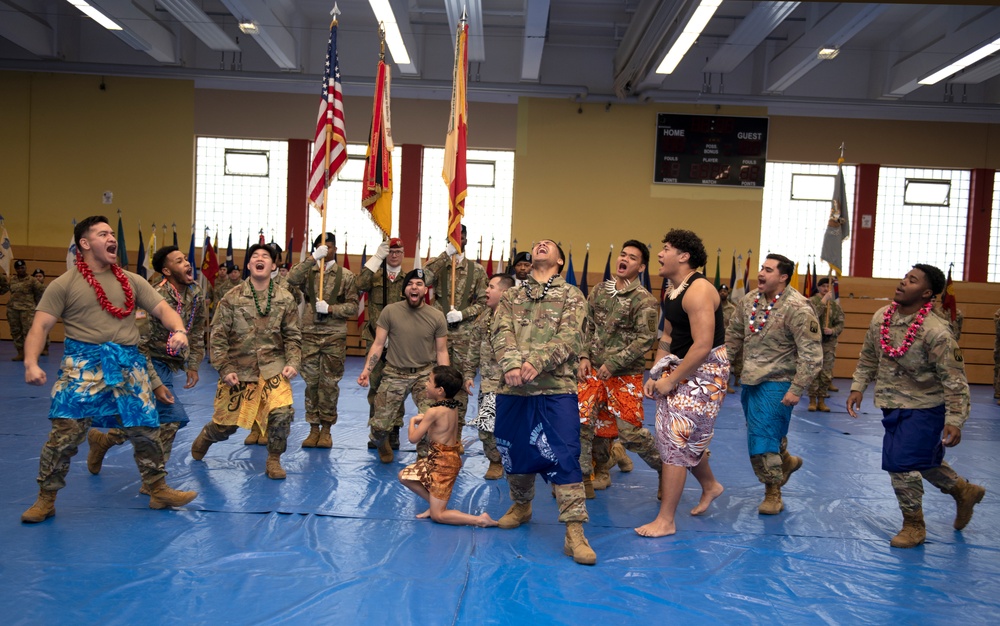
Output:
x=911 y=332
x=754 y=327
x=102 y=298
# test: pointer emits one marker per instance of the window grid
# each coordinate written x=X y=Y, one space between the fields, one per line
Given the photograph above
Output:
x=908 y=234
x=346 y=218
x=993 y=264
x=244 y=204
x=488 y=210
x=795 y=228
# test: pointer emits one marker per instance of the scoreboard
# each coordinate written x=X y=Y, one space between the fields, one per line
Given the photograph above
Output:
x=710 y=150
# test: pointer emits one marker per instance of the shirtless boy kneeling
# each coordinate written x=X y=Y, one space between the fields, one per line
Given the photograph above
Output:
x=432 y=477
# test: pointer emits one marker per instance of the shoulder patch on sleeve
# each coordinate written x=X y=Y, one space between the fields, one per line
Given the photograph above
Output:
x=958 y=355
x=814 y=327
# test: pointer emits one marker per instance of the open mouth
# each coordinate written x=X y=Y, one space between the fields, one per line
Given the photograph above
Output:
x=259 y=266
x=113 y=248
x=622 y=267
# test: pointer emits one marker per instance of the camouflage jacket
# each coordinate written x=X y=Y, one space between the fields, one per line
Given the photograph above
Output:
x=343 y=303
x=931 y=373
x=470 y=289
x=481 y=356
x=371 y=282
x=222 y=287
x=836 y=316
x=787 y=348
x=292 y=289
x=254 y=346
x=727 y=311
x=620 y=328
x=954 y=325
x=194 y=314
x=541 y=328
x=24 y=293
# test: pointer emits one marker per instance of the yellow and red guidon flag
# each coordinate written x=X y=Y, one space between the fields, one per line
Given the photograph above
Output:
x=376 y=190
x=456 y=143
x=330 y=120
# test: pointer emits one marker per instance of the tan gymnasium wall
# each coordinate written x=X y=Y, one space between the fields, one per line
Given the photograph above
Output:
x=65 y=141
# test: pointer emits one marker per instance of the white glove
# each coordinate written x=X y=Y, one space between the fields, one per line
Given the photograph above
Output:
x=382 y=251
x=450 y=249
x=453 y=316
x=374 y=263
x=320 y=253
x=322 y=307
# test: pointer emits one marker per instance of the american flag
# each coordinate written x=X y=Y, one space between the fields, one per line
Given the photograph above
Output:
x=331 y=117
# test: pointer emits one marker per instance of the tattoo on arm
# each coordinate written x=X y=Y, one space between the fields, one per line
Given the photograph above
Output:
x=665 y=346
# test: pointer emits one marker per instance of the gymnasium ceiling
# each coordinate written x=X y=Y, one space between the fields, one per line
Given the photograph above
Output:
x=606 y=51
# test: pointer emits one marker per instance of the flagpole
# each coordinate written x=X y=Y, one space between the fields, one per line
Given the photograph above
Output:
x=461 y=26
x=326 y=174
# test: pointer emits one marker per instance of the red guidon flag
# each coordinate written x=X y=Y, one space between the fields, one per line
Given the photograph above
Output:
x=330 y=142
x=456 y=143
x=376 y=191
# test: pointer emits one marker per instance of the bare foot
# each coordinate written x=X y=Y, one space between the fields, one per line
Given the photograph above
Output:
x=707 y=496
x=425 y=515
x=657 y=528
x=485 y=521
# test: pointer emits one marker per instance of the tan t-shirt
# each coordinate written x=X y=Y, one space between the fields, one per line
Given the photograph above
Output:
x=72 y=299
x=412 y=333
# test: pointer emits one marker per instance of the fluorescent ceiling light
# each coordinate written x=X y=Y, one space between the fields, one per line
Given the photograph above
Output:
x=699 y=19
x=95 y=15
x=827 y=53
x=961 y=64
x=384 y=14
x=249 y=27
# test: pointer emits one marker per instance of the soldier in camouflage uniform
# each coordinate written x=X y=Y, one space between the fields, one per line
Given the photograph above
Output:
x=182 y=294
x=257 y=347
x=620 y=330
x=537 y=335
x=381 y=292
x=25 y=293
x=782 y=353
x=996 y=357
x=921 y=387
x=414 y=336
x=324 y=335
x=955 y=325
x=470 y=300
x=103 y=378
x=222 y=287
x=831 y=322
x=481 y=358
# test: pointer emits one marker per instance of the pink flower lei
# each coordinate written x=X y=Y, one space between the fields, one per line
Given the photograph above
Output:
x=911 y=332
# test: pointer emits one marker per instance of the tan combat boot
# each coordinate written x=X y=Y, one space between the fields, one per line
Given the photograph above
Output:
x=161 y=496
x=812 y=403
x=494 y=471
x=588 y=488
x=789 y=465
x=312 y=438
x=832 y=388
x=966 y=497
x=602 y=478
x=262 y=439
x=821 y=405
x=913 y=533
x=19 y=356
x=325 y=440
x=385 y=450
x=254 y=435
x=620 y=457
x=273 y=468
x=200 y=445
x=100 y=443
x=577 y=546
x=772 y=504
x=518 y=513
x=43 y=508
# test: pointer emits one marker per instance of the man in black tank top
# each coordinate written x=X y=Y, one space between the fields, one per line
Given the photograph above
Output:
x=689 y=378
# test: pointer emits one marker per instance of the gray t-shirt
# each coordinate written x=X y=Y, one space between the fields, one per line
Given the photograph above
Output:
x=412 y=333
x=72 y=299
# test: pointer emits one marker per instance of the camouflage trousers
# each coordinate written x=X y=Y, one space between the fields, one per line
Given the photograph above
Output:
x=396 y=384
x=820 y=387
x=571 y=499
x=634 y=439
x=489 y=446
x=322 y=368
x=168 y=432
x=374 y=381
x=767 y=466
x=65 y=439
x=20 y=323
x=909 y=486
x=279 y=424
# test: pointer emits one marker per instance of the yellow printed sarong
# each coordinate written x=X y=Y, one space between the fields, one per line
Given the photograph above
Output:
x=249 y=403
